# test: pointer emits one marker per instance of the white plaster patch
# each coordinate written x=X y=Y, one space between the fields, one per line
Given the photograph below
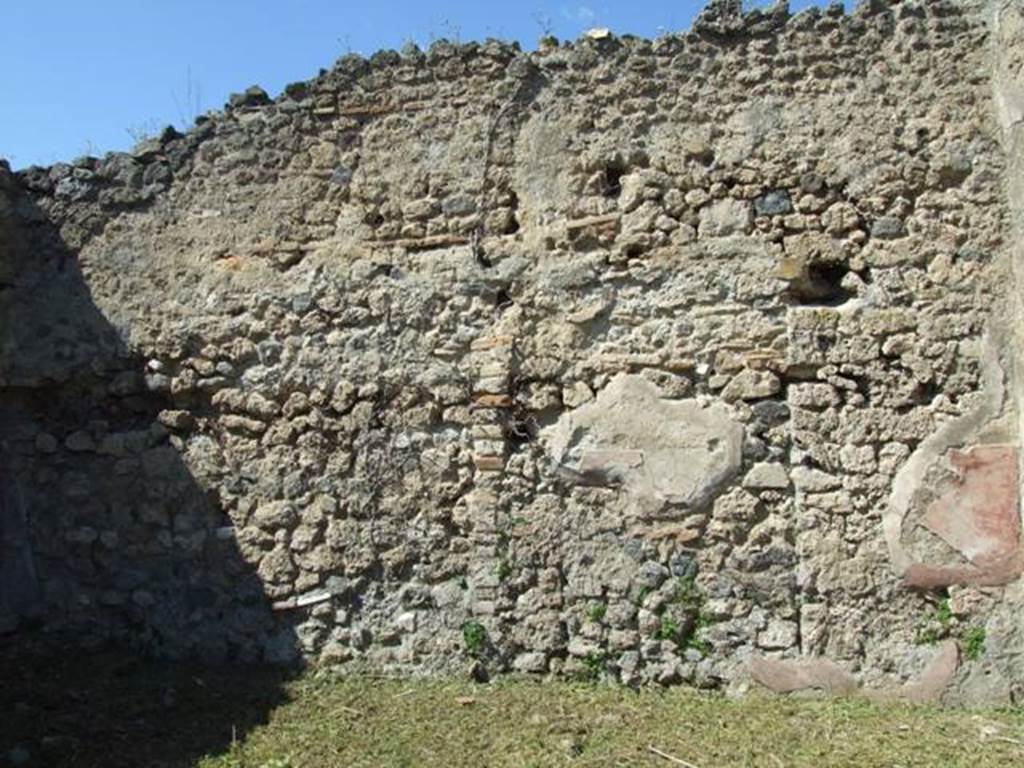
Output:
x=676 y=451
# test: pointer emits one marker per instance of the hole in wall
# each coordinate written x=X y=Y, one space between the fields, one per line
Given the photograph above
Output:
x=512 y=225
x=822 y=285
x=520 y=431
x=502 y=300
x=926 y=392
x=523 y=426
x=633 y=250
x=480 y=256
x=612 y=182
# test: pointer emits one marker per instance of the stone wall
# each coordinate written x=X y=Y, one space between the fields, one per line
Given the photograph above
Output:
x=685 y=360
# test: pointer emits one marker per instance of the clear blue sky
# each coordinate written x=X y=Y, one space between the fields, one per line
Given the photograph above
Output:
x=83 y=76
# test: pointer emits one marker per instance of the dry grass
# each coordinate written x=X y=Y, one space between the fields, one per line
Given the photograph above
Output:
x=367 y=722
x=113 y=711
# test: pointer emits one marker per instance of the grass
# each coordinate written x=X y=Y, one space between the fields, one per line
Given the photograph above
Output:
x=361 y=722
x=111 y=711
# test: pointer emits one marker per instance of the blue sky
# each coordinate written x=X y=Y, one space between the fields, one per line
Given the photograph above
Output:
x=85 y=77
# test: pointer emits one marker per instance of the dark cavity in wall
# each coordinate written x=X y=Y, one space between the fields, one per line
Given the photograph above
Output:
x=479 y=255
x=502 y=300
x=633 y=250
x=924 y=394
x=612 y=182
x=521 y=429
x=822 y=285
x=522 y=424
x=512 y=226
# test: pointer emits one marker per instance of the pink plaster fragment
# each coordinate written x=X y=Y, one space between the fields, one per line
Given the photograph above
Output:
x=932 y=683
x=978 y=514
x=789 y=676
x=932 y=577
x=801 y=674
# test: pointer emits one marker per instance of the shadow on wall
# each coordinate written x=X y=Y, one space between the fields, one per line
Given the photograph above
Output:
x=107 y=539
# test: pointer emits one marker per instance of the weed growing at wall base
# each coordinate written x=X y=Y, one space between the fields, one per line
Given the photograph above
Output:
x=474 y=635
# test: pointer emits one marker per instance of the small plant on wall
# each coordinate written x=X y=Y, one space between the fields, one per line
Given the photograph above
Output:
x=942 y=624
x=683 y=619
x=474 y=636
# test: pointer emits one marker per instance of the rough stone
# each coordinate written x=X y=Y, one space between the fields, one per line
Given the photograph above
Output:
x=778 y=635
x=773 y=204
x=80 y=442
x=726 y=217
x=415 y=353
x=749 y=384
x=767 y=476
x=887 y=228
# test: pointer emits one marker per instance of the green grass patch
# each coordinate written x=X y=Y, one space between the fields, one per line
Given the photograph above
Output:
x=362 y=722
x=114 y=711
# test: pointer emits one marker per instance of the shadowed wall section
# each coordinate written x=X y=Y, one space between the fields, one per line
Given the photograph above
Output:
x=109 y=536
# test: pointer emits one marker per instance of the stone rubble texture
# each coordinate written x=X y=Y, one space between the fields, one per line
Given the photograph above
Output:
x=690 y=360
